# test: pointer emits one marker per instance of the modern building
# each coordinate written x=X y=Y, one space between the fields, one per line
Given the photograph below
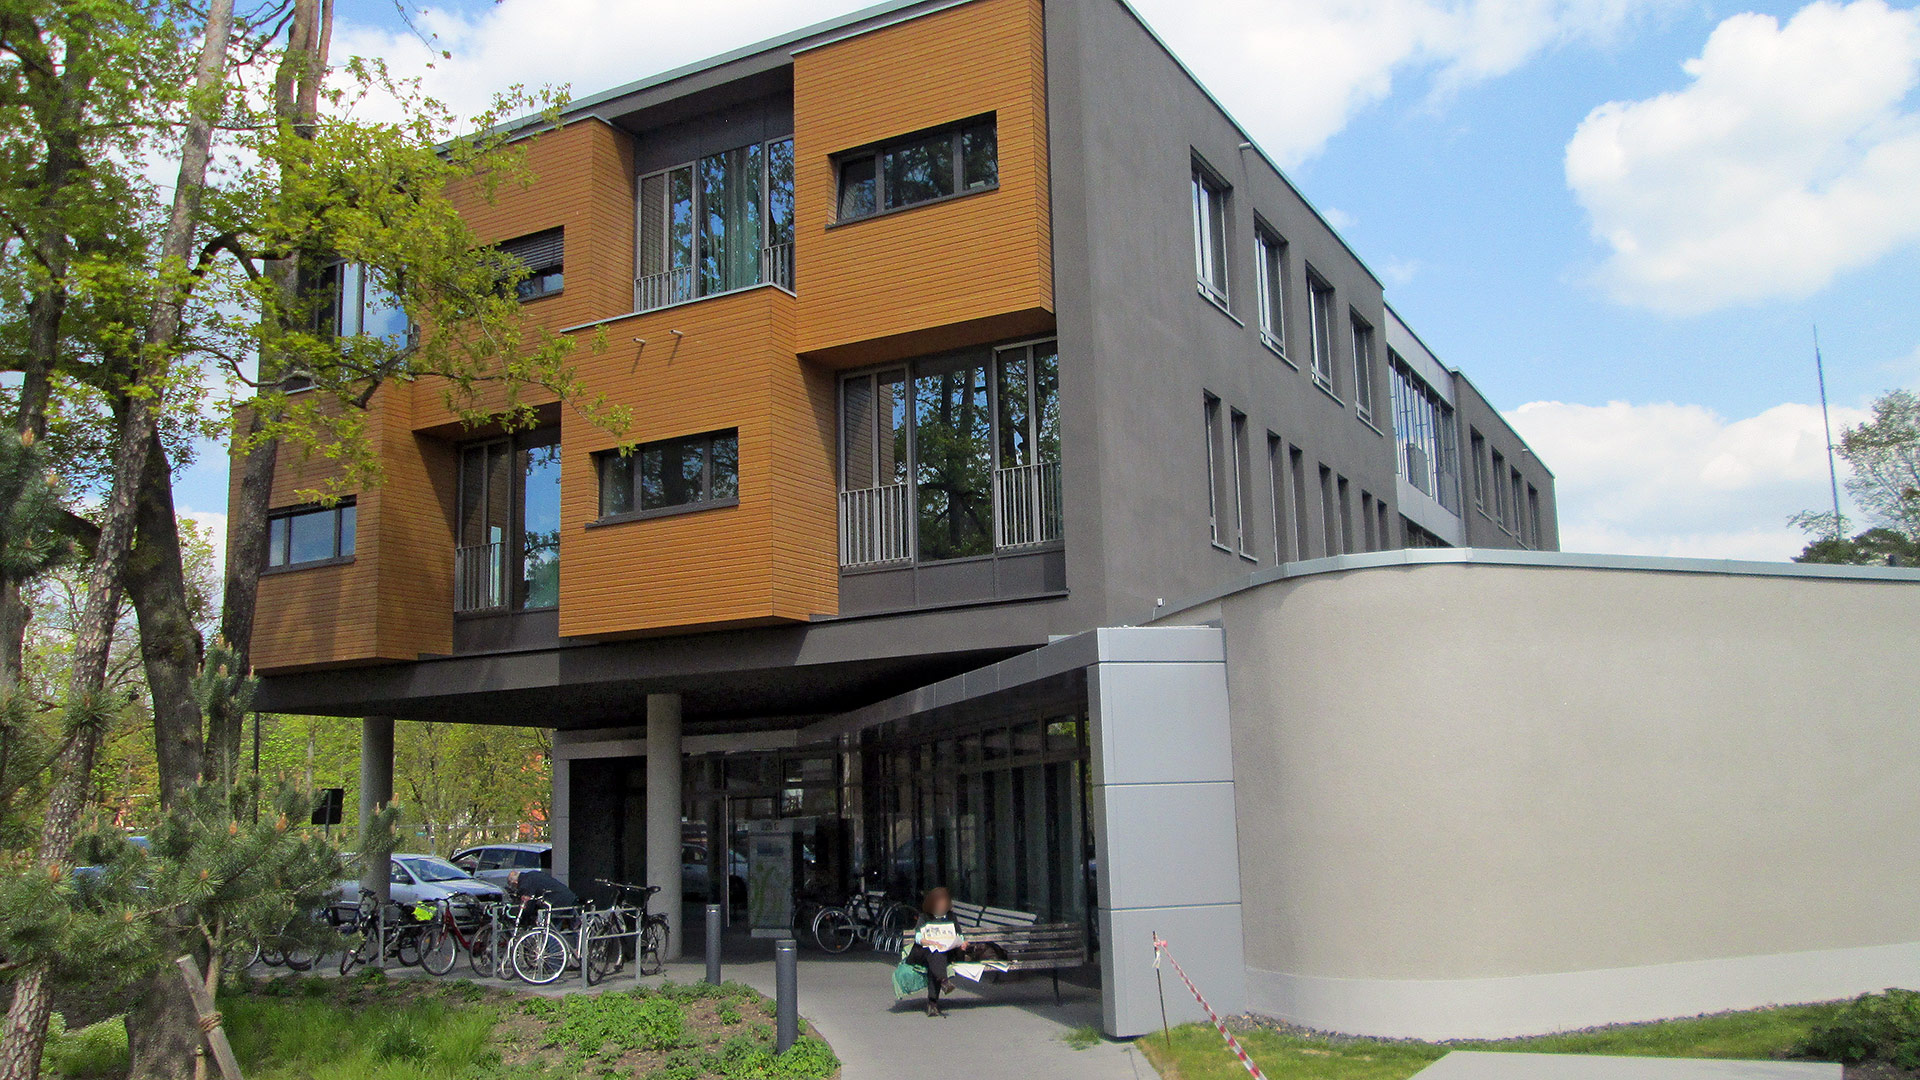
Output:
x=1029 y=492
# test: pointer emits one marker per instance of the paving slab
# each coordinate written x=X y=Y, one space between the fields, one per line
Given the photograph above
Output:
x=1482 y=1065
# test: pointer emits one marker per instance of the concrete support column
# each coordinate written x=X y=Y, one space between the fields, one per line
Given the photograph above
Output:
x=560 y=813
x=376 y=791
x=663 y=812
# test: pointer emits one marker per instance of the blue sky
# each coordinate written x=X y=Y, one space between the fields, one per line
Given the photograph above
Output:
x=1758 y=173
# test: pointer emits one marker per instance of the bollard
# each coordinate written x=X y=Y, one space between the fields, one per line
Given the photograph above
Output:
x=713 y=944
x=786 y=983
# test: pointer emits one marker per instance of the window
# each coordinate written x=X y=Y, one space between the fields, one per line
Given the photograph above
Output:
x=928 y=167
x=1362 y=368
x=1533 y=515
x=544 y=256
x=696 y=472
x=508 y=523
x=1515 y=524
x=716 y=225
x=1498 y=480
x=1242 y=486
x=1320 y=313
x=1302 y=527
x=1366 y=521
x=1346 y=516
x=951 y=457
x=1380 y=527
x=1216 y=494
x=310 y=535
x=1210 y=233
x=1424 y=431
x=353 y=302
x=1477 y=445
x=1329 y=513
x=1277 y=481
x=1270 y=266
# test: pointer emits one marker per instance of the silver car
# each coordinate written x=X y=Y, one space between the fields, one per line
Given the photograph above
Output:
x=415 y=879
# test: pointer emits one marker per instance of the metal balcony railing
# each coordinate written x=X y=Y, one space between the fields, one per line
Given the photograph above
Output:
x=775 y=267
x=876 y=525
x=480 y=577
x=1026 y=505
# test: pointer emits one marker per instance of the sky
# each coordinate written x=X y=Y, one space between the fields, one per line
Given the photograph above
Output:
x=1623 y=219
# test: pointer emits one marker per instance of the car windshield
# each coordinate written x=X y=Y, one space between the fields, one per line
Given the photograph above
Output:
x=434 y=870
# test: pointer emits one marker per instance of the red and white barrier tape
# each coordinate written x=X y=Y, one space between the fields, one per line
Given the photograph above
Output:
x=1160 y=949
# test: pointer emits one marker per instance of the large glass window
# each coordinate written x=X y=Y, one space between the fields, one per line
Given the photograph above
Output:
x=1270 y=256
x=508 y=528
x=353 y=302
x=1320 y=313
x=918 y=169
x=310 y=535
x=715 y=225
x=1424 y=429
x=952 y=457
x=695 y=472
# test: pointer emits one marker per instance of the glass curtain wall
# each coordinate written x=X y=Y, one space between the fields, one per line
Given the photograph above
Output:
x=1423 y=424
x=715 y=225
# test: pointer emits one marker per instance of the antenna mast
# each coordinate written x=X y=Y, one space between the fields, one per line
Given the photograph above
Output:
x=1833 y=470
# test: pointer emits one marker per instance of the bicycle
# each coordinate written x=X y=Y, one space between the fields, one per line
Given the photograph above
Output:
x=443 y=939
x=404 y=936
x=607 y=930
x=539 y=954
x=866 y=916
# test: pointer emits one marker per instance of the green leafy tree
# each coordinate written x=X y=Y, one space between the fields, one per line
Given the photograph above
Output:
x=1883 y=458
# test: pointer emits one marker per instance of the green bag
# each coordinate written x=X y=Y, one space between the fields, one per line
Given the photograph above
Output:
x=908 y=979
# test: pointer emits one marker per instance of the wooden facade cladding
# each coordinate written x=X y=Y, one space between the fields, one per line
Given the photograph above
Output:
x=973 y=269
x=771 y=558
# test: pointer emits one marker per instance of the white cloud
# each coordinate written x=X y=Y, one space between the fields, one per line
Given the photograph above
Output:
x=1248 y=51
x=1296 y=72
x=1666 y=479
x=1791 y=156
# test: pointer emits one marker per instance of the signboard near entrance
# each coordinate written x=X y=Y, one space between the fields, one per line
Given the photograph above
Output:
x=773 y=863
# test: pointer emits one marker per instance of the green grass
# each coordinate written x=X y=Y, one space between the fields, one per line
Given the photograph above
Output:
x=1198 y=1053
x=318 y=1039
x=1085 y=1037
x=99 y=1050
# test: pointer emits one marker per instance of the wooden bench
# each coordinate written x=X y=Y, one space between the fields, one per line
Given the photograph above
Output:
x=1030 y=944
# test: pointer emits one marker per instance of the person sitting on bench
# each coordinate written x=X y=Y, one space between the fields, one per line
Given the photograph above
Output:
x=936 y=940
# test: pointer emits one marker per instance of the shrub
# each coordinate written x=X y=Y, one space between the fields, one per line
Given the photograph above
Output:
x=1885 y=1025
x=95 y=1050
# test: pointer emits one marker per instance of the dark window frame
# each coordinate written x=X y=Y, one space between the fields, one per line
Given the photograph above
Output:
x=548 y=277
x=872 y=158
x=604 y=461
x=343 y=536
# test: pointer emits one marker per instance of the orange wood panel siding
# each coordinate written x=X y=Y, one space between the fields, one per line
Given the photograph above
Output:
x=773 y=556
x=958 y=272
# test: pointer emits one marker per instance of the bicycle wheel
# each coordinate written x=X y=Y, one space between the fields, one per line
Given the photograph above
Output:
x=358 y=953
x=300 y=957
x=604 y=951
x=480 y=952
x=409 y=949
x=271 y=956
x=653 y=940
x=896 y=922
x=834 y=931
x=438 y=950
x=540 y=956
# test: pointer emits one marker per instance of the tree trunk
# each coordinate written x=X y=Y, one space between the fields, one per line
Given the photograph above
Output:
x=26 y=1031
x=169 y=642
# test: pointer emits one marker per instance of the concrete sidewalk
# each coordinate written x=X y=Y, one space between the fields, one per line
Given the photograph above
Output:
x=1478 y=1065
x=1012 y=1031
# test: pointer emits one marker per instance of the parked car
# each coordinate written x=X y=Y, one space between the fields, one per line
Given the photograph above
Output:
x=693 y=873
x=493 y=862
x=415 y=879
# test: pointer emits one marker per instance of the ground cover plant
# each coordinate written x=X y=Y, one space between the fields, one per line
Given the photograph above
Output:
x=1794 y=1032
x=369 y=1027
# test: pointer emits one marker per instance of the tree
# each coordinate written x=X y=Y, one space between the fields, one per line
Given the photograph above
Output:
x=1883 y=457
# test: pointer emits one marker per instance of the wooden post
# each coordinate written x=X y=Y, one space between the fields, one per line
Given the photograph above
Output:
x=216 y=1038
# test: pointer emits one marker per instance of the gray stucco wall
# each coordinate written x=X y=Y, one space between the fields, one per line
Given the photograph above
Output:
x=1140 y=346
x=1474 y=413
x=1557 y=796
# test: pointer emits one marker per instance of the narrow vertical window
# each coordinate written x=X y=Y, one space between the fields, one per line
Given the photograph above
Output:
x=1477 y=446
x=1498 y=481
x=1320 y=315
x=1210 y=233
x=1215 y=496
x=1363 y=368
x=1329 y=512
x=1277 y=481
x=1381 y=526
x=1533 y=514
x=1242 y=486
x=1302 y=526
x=1366 y=521
x=1346 y=516
x=1270 y=257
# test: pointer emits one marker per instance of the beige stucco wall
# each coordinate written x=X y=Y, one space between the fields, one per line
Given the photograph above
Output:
x=1483 y=772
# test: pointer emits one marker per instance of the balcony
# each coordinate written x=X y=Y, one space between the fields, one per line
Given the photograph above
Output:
x=876 y=523
x=480 y=578
x=655 y=291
